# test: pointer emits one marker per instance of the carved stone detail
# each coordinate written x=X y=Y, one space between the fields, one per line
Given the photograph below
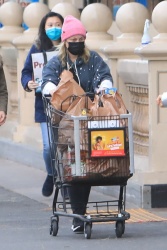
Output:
x=139 y=107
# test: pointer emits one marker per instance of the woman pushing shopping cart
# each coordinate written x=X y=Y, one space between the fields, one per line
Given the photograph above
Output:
x=72 y=122
x=78 y=165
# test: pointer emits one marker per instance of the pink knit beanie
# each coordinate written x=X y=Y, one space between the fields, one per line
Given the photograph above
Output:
x=71 y=27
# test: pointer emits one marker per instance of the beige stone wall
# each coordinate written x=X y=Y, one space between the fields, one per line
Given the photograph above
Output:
x=139 y=73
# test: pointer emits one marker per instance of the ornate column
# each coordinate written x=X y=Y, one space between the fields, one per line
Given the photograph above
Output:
x=130 y=20
x=156 y=54
x=11 y=17
x=135 y=76
x=97 y=19
x=126 y=68
x=66 y=8
x=154 y=180
x=27 y=131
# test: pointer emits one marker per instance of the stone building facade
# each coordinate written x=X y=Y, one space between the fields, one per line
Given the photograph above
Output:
x=139 y=73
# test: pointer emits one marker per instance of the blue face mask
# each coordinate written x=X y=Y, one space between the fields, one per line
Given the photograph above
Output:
x=53 y=33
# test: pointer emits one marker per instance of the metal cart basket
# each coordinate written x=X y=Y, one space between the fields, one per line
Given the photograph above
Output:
x=94 y=150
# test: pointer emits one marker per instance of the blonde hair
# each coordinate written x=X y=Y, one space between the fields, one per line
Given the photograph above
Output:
x=62 y=54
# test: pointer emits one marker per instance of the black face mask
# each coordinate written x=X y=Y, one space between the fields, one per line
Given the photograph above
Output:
x=76 y=48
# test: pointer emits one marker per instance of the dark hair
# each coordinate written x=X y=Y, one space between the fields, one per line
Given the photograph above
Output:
x=43 y=42
x=98 y=138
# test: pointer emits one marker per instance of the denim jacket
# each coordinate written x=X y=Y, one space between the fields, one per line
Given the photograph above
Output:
x=89 y=74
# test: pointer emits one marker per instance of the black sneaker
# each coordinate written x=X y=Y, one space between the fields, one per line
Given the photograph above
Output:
x=77 y=226
x=48 y=185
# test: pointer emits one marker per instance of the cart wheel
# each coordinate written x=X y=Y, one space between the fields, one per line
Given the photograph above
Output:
x=119 y=228
x=54 y=227
x=88 y=230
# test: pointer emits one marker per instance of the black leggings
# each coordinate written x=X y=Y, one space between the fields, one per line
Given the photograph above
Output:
x=79 y=196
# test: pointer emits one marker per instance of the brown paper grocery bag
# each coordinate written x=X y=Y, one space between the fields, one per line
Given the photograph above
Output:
x=98 y=108
x=66 y=92
x=106 y=105
x=66 y=125
x=80 y=104
x=115 y=103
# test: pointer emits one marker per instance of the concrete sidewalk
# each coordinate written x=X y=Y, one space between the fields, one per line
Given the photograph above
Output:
x=23 y=180
x=28 y=181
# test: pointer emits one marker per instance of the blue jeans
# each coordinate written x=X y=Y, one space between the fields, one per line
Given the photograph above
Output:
x=47 y=151
x=46 y=148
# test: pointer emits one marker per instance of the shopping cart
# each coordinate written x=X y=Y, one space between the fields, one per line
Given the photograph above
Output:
x=97 y=151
